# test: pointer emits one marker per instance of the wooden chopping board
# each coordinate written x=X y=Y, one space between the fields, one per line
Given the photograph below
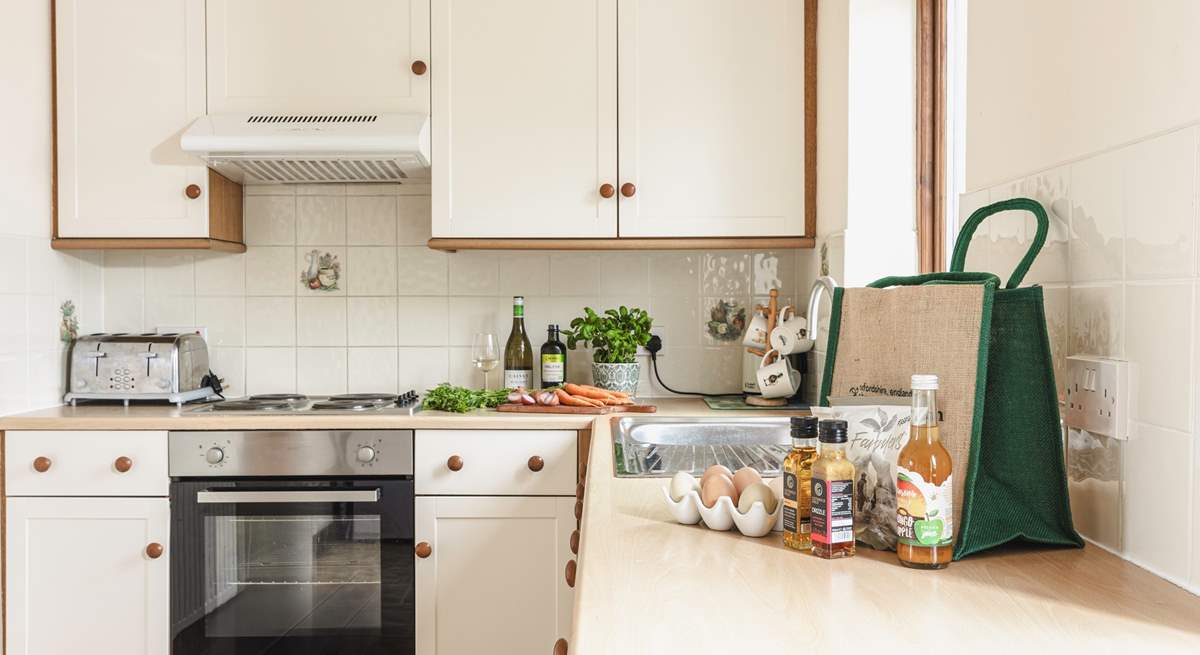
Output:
x=570 y=409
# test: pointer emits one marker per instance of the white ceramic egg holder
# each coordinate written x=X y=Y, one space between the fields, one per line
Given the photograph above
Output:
x=723 y=515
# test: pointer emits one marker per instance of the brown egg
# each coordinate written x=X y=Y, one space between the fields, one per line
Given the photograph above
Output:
x=715 y=487
x=745 y=477
x=715 y=469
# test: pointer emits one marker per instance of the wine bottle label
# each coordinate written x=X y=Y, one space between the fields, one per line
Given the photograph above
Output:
x=832 y=511
x=924 y=511
x=553 y=369
x=514 y=378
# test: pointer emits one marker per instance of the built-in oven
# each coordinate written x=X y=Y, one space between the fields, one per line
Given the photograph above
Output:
x=292 y=542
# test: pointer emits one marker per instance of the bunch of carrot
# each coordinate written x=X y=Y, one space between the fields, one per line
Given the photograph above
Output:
x=575 y=395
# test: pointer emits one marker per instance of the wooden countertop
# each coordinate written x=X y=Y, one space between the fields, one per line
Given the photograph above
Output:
x=648 y=585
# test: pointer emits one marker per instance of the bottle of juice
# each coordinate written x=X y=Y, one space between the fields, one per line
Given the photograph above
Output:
x=924 y=486
x=797 y=483
x=833 y=494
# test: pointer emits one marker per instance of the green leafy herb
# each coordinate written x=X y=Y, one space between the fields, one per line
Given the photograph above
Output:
x=615 y=335
x=449 y=398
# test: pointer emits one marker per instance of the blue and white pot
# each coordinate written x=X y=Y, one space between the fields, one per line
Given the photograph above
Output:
x=617 y=377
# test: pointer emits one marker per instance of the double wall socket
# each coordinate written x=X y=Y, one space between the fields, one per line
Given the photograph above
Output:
x=1098 y=395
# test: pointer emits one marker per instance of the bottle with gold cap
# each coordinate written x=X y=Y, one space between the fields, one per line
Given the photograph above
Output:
x=797 y=483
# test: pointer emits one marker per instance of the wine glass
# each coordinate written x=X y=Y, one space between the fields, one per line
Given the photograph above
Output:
x=485 y=354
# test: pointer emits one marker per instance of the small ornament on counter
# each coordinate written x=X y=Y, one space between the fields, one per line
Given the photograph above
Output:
x=68 y=330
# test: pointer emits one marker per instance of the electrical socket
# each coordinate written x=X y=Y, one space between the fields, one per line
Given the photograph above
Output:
x=1098 y=395
x=655 y=331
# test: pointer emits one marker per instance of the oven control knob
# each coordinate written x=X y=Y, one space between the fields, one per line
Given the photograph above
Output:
x=214 y=455
x=366 y=454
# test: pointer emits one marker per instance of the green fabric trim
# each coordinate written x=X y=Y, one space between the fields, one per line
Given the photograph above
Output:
x=981 y=366
x=835 y=328
x=946 y=277
x=963 y=243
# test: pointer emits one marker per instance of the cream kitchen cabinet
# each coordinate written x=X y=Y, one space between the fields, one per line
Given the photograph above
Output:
x=87 y=575
x=623 y=120
x=491 y=579
x=129 y=77
x=318 y=56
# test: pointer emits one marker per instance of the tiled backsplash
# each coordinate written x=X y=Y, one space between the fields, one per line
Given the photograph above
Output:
x=396 y=315
x=1120 y=277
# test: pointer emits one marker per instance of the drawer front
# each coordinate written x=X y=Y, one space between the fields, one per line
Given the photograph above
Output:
x=495 y=462
x=85 y=463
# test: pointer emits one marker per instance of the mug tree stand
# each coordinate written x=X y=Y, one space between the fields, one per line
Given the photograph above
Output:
x=771 y=311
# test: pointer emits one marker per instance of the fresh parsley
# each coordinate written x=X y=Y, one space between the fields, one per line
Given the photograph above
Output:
x=449 y=398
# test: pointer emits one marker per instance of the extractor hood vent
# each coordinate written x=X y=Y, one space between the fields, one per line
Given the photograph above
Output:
x=295 y=118
x=312 y=148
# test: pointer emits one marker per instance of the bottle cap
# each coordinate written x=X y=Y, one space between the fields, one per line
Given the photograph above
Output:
x=804 y=427
x=518 y=300
x=833 y=431
x=924 y=382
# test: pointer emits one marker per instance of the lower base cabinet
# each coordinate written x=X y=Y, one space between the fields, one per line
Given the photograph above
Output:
x=490 y=574
x=87 y=575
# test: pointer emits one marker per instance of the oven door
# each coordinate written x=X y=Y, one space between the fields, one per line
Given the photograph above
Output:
x=273 y=567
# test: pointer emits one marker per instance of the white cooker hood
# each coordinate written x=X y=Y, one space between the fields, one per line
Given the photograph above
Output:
x=308 y=148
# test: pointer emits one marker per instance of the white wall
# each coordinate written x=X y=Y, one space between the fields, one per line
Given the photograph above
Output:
x=1092 y=109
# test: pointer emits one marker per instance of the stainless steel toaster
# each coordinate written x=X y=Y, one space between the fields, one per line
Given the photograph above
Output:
x=171 y=367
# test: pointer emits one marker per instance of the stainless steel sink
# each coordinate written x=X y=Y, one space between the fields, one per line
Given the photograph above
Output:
x=647 y=446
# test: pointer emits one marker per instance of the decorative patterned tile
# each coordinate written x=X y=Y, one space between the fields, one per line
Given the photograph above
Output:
x=725 y=273
x=724 y=320
x=1097 y=321
x=321 y=271
x=773 y=270
x=1097 y=250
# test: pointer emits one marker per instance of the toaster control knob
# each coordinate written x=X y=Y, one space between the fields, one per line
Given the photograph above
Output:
x=366 y=454
x=214 y=455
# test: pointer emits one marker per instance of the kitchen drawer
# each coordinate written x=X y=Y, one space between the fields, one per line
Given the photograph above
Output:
x=495 y=462
x=85 y=463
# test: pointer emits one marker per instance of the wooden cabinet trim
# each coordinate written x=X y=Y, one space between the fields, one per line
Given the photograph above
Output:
x=648 y=243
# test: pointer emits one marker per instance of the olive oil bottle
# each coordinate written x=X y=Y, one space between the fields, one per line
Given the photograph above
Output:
x=797 y=483
x=518 y=354
x=924 y=486
x=554 y=358
x=833 y=494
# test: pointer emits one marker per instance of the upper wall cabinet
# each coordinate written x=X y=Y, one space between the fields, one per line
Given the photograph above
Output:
x=318 y=56
x=708 y=116
x=524 y=118
x=129 y=77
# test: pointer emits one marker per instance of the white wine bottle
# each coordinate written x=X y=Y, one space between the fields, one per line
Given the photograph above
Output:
x=518 y=354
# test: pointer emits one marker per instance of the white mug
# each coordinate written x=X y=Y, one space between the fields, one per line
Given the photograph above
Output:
x=778 y=379
x=756 y=332
x=790 y=336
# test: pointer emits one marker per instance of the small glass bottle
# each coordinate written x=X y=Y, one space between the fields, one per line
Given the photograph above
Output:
x=833 y=494
x=797 y=483
x=924 y=486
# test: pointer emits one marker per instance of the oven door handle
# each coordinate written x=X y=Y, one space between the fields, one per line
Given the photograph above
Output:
x=320 y=496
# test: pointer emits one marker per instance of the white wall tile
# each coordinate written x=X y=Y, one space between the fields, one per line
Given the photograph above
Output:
x=220 y=274
x=423 y=321
x=14 y=390
x=172 y=273
x=124 y=273
x=1097 y=321
x=474 y=273
x=169 y=311
x=14 y=269
x=679 y=318
x=463 y=373
x=373 y=370
x=674 y=273
x=1057 y=305
x=371 y=221
x=320 y=220
x=774 y=270
x=44 y=319
x=321 y=321
x=230 y=365
x=122 y=312
x=14 y=327
x=1051 y=189
x=270 y=271
x=41 y=266
x=424 y=368
x=45 y=378
x=271 y=321
x=621 y=273
x=1160 y=206
x=372 y=321
x=225 y=319
x=271 y=370
x=414 y=220
x=374 y=271
x=67 y=276
x=320 y=189
x=524 y=274
x=1097 y=250
x=1158 y=337
x=321 y=371
x=422 y=272
x=269 y=190
x=1094 y=472
x=471 y=314
x=270 y=220
x=576 y=273
x=1156 y=509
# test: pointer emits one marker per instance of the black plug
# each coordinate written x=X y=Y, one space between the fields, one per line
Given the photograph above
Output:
x=654 y=345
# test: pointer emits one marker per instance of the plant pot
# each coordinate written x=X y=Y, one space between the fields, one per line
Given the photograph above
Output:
x=617 y=377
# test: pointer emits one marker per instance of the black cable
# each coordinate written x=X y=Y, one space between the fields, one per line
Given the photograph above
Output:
x=655 y=345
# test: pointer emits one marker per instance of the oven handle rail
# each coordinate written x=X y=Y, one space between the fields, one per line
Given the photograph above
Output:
x=324 y=496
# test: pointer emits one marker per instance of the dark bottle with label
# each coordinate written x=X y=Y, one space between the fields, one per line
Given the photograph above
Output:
x=797 y=483
x=554 y=358
x=833 y=494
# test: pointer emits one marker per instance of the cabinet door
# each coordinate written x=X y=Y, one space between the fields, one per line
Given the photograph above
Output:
x=80 y=580
x=493 y=582
x=712 y=117
x=129 y=78
x=317 y=56
x=524 y=127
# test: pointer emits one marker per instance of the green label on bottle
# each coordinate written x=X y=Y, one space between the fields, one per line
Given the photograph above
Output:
x=553 y=369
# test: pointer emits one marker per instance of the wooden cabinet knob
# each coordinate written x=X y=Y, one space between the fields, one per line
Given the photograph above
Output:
x=579 y=510
x=41 y=464
x=419 y=67
x=575 y=542
x=154 y=550
x=571 y=574
x=423 y=549
x=123 y=464
x=628 y=189
x=454 y=463
x=192 y=191
x=536 y=463
x=560 y=647
x=607 y=191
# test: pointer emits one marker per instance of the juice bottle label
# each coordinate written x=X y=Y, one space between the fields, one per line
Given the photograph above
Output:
x=924 y=511
x=832 y=511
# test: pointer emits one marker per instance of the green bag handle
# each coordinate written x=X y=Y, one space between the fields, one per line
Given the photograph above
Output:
x=948 y=277
x=959 y=260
